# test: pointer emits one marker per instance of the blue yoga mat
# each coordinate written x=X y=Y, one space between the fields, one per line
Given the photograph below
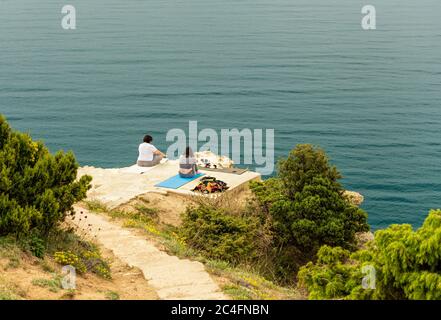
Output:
x=176 y=181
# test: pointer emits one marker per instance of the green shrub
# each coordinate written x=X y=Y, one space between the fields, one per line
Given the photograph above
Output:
x=332 y=276
x=37 y=246
x=307 y=208
x=407 y=265
x=304 y=164
x=69 y=248
x=318 y=215
x=54 y=284
x=37 y=189
x=218 y=234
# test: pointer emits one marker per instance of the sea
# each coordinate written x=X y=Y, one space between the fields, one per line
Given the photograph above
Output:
x=305 y=68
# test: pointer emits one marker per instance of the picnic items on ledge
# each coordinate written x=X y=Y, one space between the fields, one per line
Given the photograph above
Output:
x=208 y=159
x=210 y=185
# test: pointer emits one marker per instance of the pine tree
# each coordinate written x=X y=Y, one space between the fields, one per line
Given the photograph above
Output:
x=407 y=265
x=37 y=189
x=308 y=209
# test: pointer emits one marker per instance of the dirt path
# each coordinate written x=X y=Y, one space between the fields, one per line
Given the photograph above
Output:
x=171 y=277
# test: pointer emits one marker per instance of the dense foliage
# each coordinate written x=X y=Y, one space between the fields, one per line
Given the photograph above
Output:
x=37 y=189
x=407 y=265
x=220 y=235
x=303 y=165
x=308 y=209
x=289 y=218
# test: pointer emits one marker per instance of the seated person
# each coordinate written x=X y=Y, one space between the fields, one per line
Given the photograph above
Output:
x=188 y=164
x=149 y=156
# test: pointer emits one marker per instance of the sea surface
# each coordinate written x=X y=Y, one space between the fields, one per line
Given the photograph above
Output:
x=305 y=68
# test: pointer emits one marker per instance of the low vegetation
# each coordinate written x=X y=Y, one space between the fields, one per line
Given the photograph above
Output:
x=238 y=278
x=24 y=276
x=218 y=235
x=37 y=192
x=112 y=295
x=9 y=290
x=406 y=265
x=53 y=284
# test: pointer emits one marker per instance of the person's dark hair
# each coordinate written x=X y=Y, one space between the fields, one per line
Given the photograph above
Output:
x=148 y=138
x=188 y=152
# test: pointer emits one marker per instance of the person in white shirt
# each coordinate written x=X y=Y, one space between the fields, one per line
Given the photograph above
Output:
x=149 y=155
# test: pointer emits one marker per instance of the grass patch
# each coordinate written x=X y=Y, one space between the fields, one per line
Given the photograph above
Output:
x=142 y=215
x=7 y=295
x=237 y=292
x=10 y=291
x=53 y=285
x=47 y=266
x=244 y=283
x=10 y=249
x=147 y=211
x=112 y=295
x=95 y=206
x=69 y=294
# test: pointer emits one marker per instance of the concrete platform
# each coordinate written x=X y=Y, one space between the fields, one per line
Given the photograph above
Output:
x=115 y=187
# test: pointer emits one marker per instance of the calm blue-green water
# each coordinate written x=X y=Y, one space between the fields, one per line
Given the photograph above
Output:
x=302 y=67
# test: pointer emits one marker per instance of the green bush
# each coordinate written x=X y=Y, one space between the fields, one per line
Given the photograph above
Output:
x=37 y=189
x=318 y=215
x=304 y=164
x=70 y=248
x=332 y=276
x=307 y=208
x=407 y=265
x=37 y=246
x=218 y=234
